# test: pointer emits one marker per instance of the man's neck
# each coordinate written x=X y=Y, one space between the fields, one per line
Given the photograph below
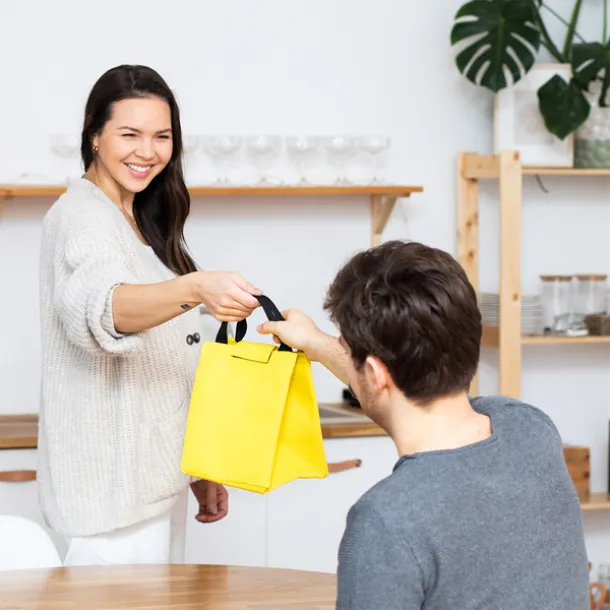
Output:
x=447 y=423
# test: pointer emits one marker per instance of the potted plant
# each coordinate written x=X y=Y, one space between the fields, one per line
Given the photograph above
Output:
x=500 y=37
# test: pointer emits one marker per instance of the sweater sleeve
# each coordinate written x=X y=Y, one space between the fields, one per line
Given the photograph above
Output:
x=376 y=570
x=87 y=270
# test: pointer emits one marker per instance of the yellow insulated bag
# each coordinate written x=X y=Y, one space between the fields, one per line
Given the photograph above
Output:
x=253 y=421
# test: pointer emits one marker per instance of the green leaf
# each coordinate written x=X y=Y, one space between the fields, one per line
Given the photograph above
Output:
x=563 y=106
x=591 y=60
x=504 y=37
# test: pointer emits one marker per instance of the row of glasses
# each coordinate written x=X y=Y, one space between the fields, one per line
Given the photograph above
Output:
x=262 y=150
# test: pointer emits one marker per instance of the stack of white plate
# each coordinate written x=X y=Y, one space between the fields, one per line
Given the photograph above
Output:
x=532 y=313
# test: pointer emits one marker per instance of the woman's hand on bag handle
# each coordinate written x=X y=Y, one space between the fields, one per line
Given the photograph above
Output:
x=227 y=295
x=213 y=500
x=300 y=332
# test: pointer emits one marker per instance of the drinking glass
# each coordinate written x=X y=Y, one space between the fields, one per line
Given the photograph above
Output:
x=374 y=146
x=302 y=149
x=222 y=149
x=262 y=150
x=341 y=149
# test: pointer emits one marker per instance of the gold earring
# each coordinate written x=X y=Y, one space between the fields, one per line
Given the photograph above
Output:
x=96 y=148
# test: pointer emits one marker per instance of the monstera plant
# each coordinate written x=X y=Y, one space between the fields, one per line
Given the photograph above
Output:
x=500 y=37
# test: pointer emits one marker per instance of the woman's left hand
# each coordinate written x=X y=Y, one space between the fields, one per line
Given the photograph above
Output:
x=213 y=501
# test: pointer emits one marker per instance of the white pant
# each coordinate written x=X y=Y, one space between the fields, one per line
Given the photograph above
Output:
x=157 y=540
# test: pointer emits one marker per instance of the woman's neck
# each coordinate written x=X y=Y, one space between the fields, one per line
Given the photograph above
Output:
x=111 y=188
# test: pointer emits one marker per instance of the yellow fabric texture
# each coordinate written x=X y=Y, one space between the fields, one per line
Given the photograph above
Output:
x=253 y=421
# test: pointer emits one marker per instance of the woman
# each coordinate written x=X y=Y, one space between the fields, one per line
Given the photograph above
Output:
x=118 y=292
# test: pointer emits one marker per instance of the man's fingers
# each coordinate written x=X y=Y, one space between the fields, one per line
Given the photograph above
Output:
x=267 y=328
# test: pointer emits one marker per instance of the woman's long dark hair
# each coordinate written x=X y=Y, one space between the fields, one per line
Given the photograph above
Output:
x=162 y=208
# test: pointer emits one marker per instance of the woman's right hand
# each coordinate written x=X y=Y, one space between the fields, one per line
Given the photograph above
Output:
x=227 y=295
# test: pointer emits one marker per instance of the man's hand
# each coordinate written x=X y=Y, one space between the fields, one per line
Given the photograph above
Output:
x=213 y=501
x=298 y=331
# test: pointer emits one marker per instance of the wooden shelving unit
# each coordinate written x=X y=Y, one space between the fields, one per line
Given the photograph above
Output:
x=506 y=337
x=506 y=167
x=383 y=198
x=596 y=501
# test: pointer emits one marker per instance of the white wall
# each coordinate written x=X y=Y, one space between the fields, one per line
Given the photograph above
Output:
x=316 y=67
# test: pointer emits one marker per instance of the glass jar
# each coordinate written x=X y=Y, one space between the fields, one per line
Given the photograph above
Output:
x=556 y=300
x=590 y=293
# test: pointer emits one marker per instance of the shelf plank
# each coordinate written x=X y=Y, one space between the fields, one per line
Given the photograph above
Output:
x=18 y=431
x=544 y=340
x=596 y=501
x=9 y=191
x=480 y=167
x=565 y=171
x=491 y=339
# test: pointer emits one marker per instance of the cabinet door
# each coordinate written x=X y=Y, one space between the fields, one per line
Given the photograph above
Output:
x=238 y=539
x=21 y=498
x=306 y=518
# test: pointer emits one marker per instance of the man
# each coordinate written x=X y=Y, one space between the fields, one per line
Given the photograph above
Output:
x=479 y=512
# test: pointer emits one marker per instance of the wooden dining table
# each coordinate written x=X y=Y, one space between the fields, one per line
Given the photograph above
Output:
x=163 y=587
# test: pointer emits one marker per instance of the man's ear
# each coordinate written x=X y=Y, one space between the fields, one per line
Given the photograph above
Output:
x=377 y=374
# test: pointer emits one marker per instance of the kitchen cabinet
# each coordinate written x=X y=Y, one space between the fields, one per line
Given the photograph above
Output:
x=306 y=518
x=238 y=539
x=20 y=497
x=297 y=526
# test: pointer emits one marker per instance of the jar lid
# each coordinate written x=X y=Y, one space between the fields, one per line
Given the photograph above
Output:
x=556 y=278
x=591 y=277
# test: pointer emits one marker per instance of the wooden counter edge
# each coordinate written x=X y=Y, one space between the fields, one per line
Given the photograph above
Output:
x=21 y=431
x=353 y=429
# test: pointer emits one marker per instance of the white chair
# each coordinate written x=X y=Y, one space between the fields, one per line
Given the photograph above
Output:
x=25 y=545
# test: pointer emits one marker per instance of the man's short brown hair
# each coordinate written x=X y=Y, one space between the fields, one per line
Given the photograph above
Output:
x=412 y=307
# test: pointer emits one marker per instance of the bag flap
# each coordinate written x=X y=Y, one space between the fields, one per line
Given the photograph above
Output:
x=256 y=352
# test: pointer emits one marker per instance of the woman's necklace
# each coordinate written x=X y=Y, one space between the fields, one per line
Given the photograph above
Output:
x=134 y=225
x=128 y=216
x=130 y=219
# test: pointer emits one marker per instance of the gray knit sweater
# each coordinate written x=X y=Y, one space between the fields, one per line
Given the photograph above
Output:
x=492 y=526
x=114 y=406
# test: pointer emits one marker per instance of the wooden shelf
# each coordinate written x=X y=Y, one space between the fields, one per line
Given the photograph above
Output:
x=18 y=431
x=564 y=171
x=596 y=501
x=506 y=167
x=9 y=191
x=383 y=198
x=488 y=166
x=491 y=338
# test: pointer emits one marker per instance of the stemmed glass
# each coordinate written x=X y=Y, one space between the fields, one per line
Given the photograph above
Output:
x=190 y=150
x=221 y=149
x=374 y=146
x=262 y=149
x=66 y=146
x=302 y=149
x=341 y=149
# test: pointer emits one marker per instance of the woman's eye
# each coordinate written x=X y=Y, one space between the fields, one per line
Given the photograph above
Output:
x=164 y=137
x=129 y=135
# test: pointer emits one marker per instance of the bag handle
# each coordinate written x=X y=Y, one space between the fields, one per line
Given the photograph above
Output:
x=273 y=315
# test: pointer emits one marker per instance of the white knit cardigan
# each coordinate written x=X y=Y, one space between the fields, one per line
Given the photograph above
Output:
x=114 y=407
